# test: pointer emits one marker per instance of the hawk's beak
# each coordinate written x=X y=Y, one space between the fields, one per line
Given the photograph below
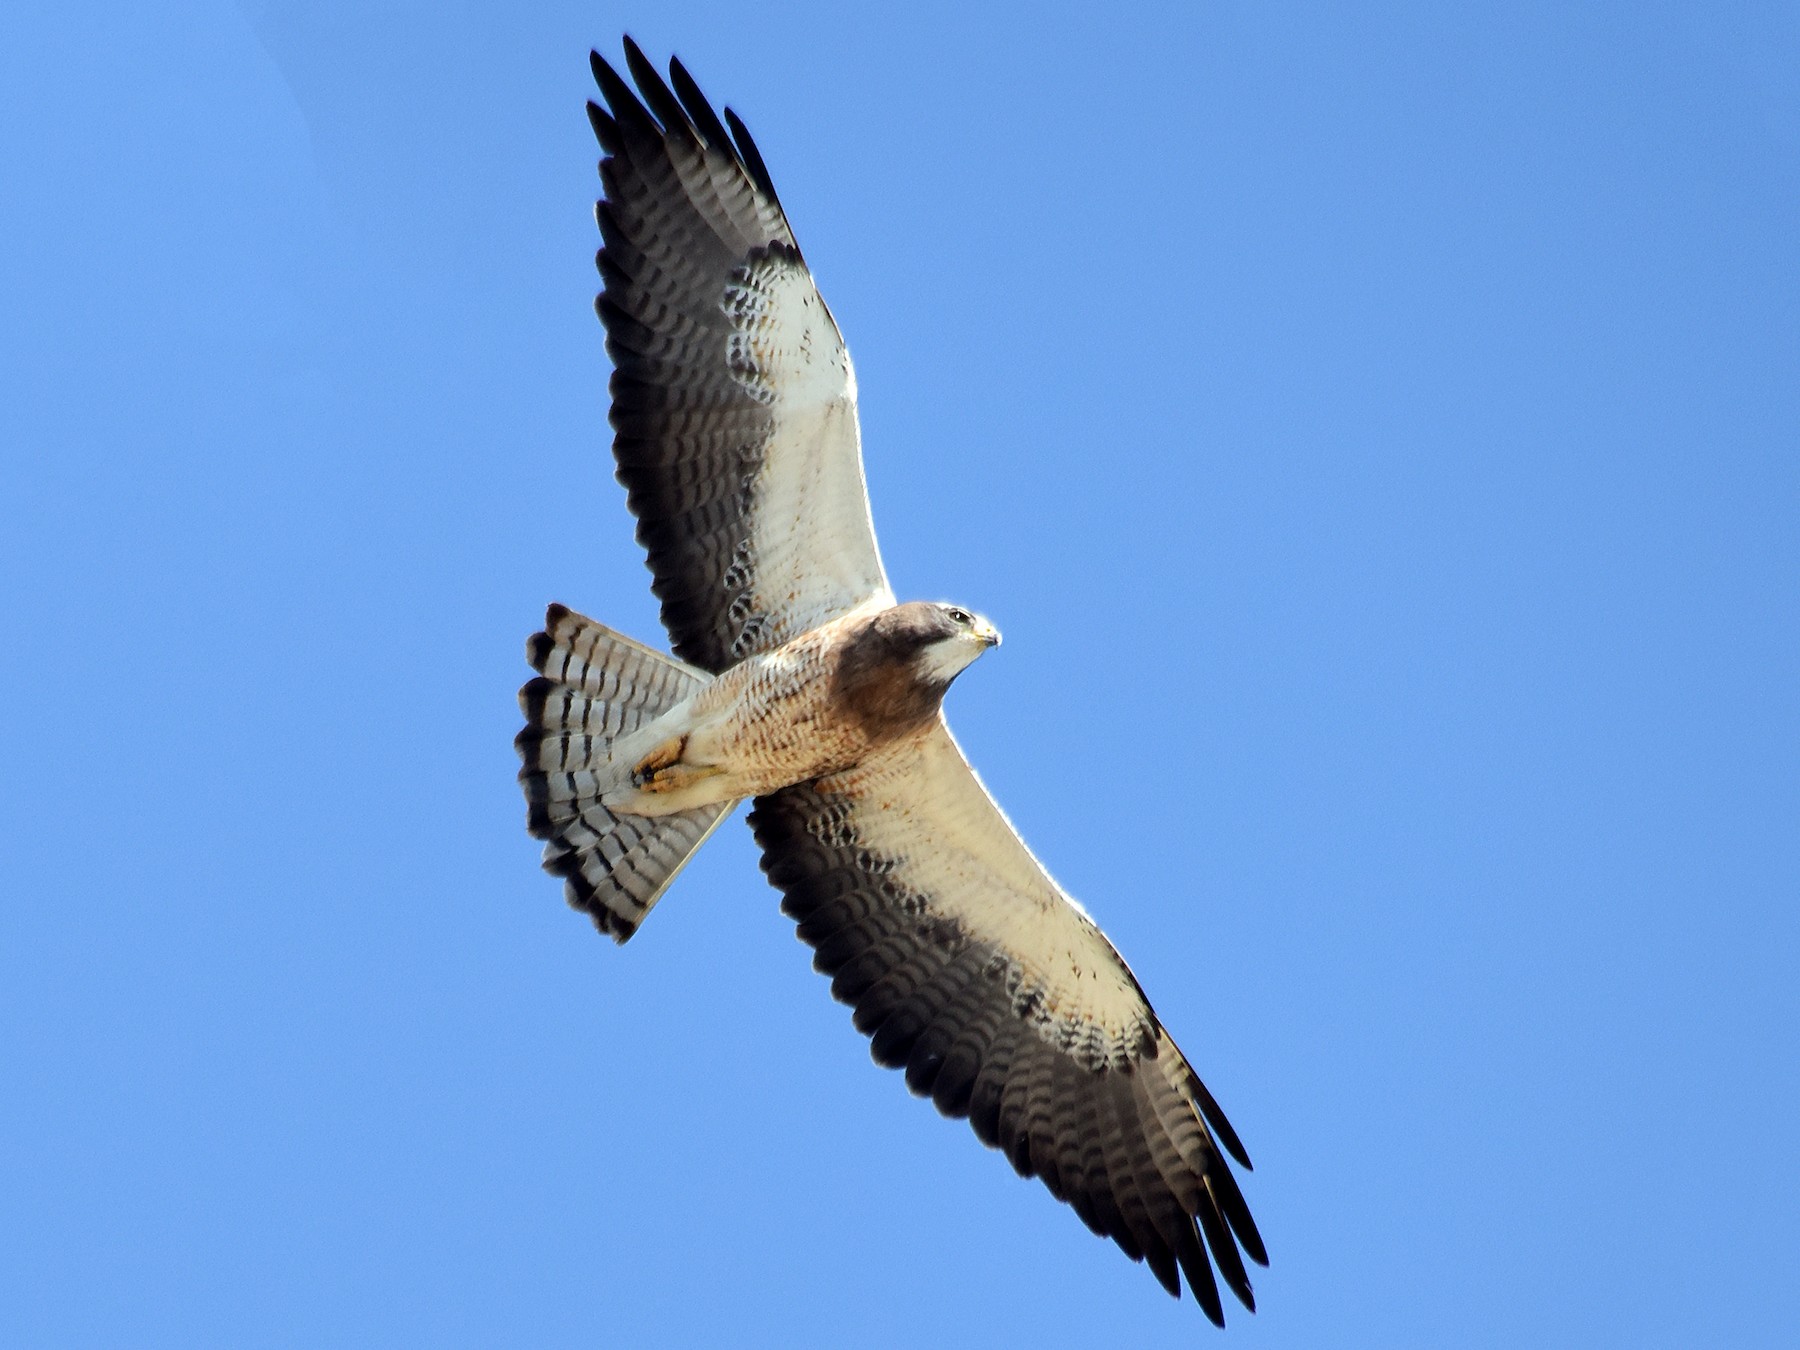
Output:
x=988 y=633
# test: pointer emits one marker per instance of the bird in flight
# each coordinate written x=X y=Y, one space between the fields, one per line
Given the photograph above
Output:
x=799 y=682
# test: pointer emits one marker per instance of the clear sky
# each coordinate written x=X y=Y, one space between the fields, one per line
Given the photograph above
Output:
x=1376 y=429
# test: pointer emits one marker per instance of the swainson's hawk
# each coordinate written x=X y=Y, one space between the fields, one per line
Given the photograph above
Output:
x=801 y=683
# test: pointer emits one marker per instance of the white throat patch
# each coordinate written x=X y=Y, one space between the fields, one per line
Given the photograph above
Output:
x=943 y=660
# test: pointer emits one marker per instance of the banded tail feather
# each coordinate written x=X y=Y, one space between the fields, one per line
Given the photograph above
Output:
x=593 y=686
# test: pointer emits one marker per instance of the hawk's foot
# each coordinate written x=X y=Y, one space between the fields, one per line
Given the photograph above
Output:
x=662 y=770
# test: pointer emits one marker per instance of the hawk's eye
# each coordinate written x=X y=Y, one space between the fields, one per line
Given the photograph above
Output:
x=961 y=616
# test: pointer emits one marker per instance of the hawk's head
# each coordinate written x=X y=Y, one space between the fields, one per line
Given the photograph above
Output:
x=895 y=669
x=947 y=639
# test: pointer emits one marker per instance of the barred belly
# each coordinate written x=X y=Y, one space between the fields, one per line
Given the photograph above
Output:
x=775 y=719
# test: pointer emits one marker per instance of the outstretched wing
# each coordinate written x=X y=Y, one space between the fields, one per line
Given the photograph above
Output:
x=733 y=398
x=972 y=970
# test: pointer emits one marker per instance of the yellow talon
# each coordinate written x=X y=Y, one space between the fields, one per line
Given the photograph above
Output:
x=662 y=770
x=651 y=772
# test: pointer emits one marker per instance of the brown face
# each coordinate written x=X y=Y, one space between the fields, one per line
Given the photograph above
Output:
x=911 y=627
x=893 y=673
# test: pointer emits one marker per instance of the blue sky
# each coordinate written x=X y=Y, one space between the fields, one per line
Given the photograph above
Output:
x=1374 y=428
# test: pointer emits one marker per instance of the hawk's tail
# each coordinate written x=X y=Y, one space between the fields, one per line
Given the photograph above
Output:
x=595 y=685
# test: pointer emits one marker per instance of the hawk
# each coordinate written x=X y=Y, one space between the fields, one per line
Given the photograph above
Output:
x=799 y=682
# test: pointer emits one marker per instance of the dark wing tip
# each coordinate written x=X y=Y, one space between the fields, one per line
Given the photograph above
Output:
x=699 y=111
x=674 y=107
x=627 y=111
x=598 y=66
x=752 y=158
x=606 y=131
x=1230 y=1202
x=1161 y=1261
x=1215 y=1117
x=1198 y=1270
x=1225 y=1253
x=656 y=93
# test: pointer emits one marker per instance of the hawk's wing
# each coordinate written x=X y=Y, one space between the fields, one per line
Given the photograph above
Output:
x=970 y=968
x=733 y=397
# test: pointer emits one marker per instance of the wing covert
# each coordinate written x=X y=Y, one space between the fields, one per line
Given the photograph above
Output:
x=969 y=968
x=733 y=396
